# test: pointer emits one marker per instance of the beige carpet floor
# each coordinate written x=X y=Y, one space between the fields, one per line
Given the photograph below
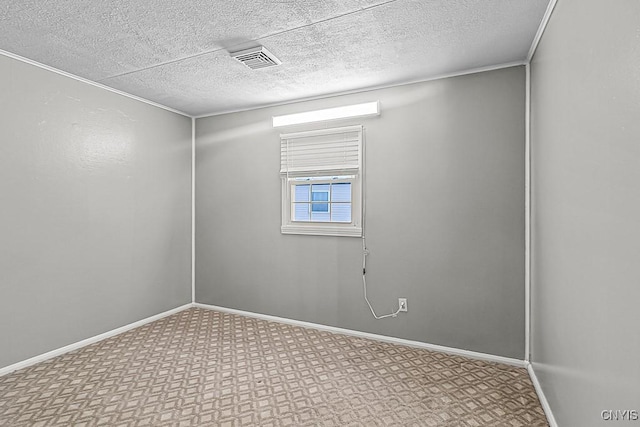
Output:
x=206 y=368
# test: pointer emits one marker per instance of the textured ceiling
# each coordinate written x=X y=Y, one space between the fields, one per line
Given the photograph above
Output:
x=176 y=53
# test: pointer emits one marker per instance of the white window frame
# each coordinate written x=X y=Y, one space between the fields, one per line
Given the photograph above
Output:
x=353 y=170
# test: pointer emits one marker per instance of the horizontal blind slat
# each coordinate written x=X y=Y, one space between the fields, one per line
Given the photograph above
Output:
x=324 y=146
x=320 y=158
x=303 y=142
x=310 y=172
x=330 y=152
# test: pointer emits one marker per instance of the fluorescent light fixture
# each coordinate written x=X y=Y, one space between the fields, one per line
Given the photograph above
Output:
x=357 y=110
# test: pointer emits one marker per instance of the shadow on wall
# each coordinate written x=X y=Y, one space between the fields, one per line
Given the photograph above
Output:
x=391 y=100
x=237 y=133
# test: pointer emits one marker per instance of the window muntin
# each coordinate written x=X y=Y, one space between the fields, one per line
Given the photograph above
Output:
x=320 y=195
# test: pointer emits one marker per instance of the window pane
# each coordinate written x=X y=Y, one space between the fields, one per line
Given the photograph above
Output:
x=301 y=212
x=320 y=192
x=301 y=193
x=341 y=192
x=325 y=202
x=320 y=216
x=341 y=212
x=320 y=196
x=320 y=207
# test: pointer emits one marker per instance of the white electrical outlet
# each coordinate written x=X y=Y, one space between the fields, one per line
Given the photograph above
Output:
x=402 y=304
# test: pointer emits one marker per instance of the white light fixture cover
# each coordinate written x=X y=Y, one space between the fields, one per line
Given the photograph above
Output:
x=356 y=110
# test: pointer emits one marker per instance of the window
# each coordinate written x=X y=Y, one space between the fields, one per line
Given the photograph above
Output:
x=326 y=199
x=321 y=182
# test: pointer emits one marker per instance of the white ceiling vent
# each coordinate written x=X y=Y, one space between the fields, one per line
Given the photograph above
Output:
x=256 y=57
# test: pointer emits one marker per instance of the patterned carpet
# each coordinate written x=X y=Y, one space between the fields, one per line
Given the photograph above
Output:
x=206 y=368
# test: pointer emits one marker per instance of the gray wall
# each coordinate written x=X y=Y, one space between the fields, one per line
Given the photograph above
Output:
x=586 y=203
x=455 y=251
x=94 y=211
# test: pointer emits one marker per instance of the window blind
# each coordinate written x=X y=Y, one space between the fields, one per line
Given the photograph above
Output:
x=322 y=152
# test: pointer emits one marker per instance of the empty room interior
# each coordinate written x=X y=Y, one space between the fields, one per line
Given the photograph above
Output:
x=320 y=213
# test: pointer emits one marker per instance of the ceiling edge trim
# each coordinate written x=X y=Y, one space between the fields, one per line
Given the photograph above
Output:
x=90 y=82
x=541 y=29
x=372 y=88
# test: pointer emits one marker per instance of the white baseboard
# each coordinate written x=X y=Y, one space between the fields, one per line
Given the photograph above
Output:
x=383 y=338
x=543 y=399
x=88 y=341
x=376 y=337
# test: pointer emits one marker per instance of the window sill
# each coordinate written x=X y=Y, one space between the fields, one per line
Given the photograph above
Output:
x=321 y=230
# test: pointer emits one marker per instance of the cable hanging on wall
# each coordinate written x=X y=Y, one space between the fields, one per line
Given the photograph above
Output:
x=365 y=251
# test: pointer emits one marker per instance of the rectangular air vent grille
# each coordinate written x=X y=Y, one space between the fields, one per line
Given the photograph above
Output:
x=256 y=57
